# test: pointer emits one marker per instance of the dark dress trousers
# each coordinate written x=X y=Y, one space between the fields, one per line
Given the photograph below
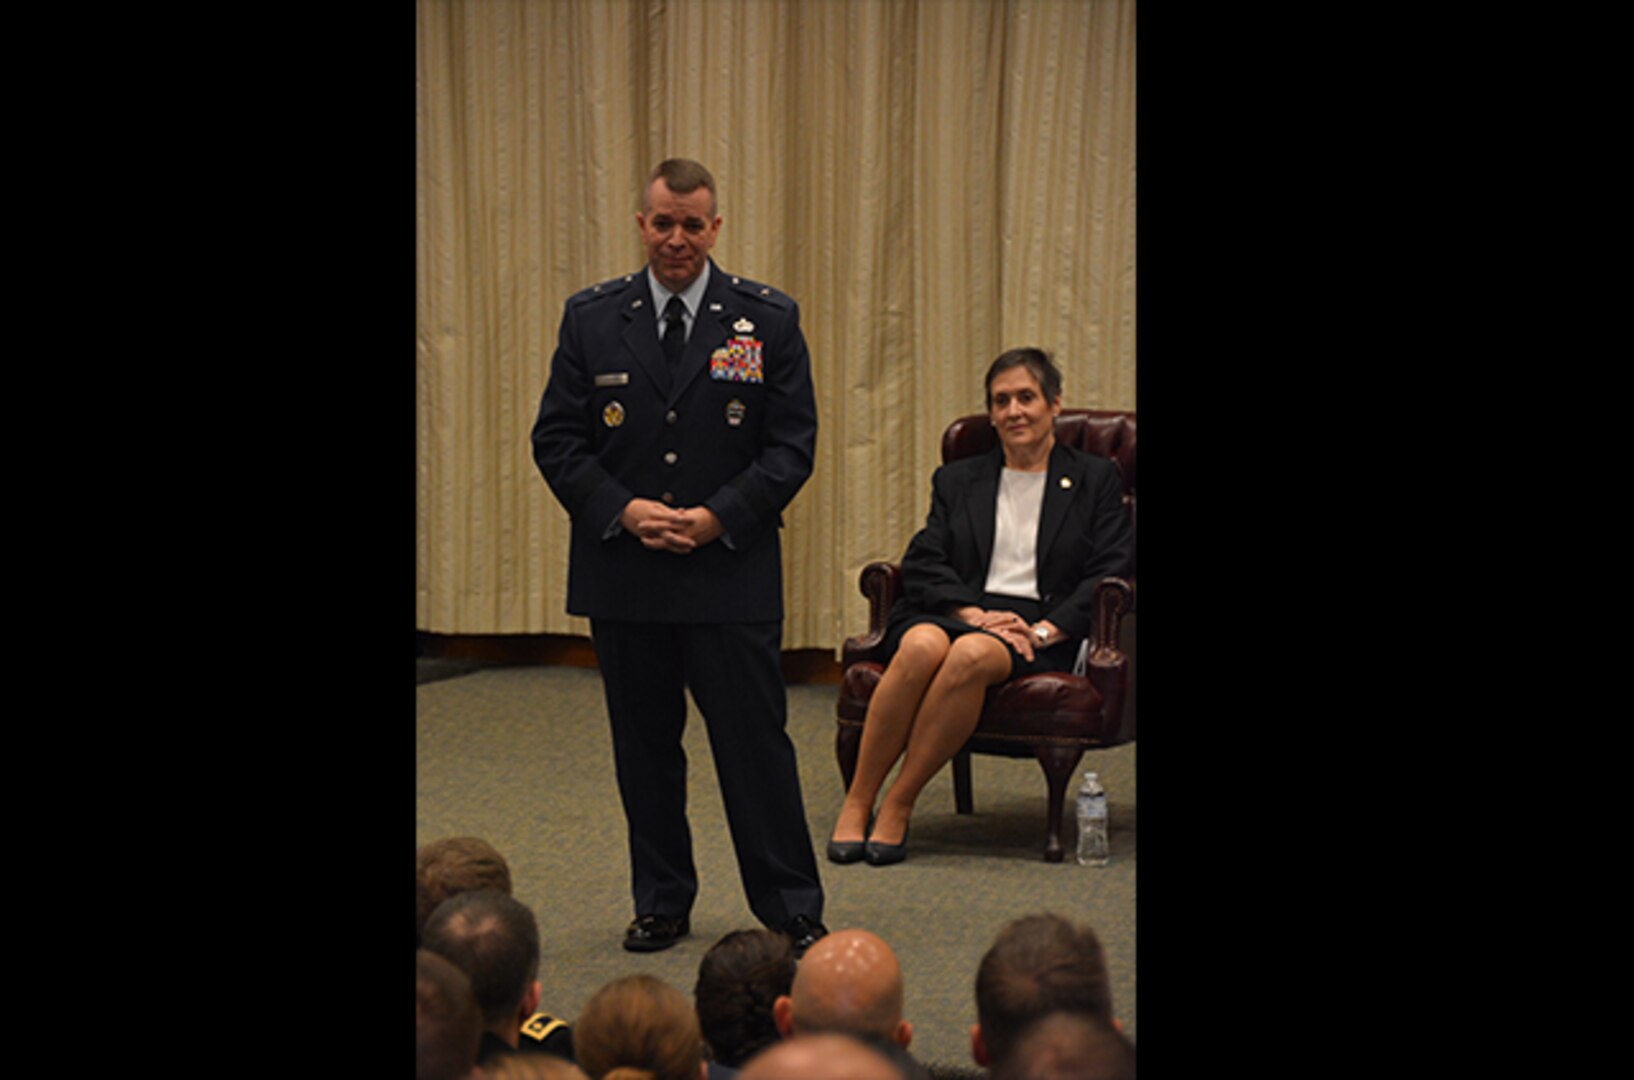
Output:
x=734 y=428
x=1083 y=536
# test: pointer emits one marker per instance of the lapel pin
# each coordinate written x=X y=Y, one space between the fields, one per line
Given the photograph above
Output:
x=1066 y=481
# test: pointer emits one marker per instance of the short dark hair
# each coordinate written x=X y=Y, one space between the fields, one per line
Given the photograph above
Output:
x=1034 y=360
x=1039 y=964
x=739 y=978
x=1068 y=1045
x=447 y=1022
x=494 y=939
x=682 y=176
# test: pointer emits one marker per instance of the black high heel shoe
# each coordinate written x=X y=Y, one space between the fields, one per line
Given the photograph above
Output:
x=846 y=851
x=850 y=851
x=878 y=854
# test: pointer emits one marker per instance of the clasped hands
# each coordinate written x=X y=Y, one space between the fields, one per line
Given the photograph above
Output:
x=664 y=528
x=1008 y=626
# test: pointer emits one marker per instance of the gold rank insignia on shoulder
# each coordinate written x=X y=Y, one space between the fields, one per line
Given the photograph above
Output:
x=613 y=414
x=744 y=326
x=540 y=1025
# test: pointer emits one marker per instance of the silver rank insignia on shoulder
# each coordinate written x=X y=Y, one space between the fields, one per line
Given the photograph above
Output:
x=613 y=414
x=735 y=410
x=744 y=326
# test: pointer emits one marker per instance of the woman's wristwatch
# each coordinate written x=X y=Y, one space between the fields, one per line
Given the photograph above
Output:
x=1041 y=636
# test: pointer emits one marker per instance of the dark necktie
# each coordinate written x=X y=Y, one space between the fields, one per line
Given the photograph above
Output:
x=675 y=330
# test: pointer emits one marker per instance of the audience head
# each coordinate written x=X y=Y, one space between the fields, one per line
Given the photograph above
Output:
x=830 y=1056
x=740 y=978
x=447 y=1022
x=531 y=1067
x=452 y=865
x=1068 y=1046
x=850 y=983
x=639 y=1028
x=494 y=939
x=1038 y=965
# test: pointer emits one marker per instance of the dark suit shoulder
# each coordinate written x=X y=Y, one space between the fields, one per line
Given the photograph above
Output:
x=758 y=292
x=965 y=468
x=1087 y=464
x=602 y=290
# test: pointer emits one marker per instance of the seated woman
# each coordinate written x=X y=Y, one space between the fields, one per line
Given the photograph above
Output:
x=997 y=584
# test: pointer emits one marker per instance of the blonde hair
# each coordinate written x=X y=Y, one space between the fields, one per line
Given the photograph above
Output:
x=638 y=1028
x=531 y=1066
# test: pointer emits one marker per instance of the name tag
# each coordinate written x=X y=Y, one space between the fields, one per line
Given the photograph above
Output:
x=614 y=378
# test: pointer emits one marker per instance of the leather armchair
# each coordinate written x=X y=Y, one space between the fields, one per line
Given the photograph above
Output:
x=1054 y=717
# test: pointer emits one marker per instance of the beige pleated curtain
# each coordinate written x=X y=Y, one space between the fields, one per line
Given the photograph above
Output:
x=934 y=181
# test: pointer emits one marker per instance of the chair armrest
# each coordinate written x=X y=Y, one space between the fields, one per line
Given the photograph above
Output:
x=1113 y=599
x=1107 y=666
x=881 y=583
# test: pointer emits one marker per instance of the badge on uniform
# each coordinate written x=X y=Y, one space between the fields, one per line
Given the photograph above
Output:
x=735 y=411
x=738 y=360
x=613 y=414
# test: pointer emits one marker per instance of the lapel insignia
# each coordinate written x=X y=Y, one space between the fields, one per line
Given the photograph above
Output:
x=744 y=326
x=714 y=305
x=1066 y=481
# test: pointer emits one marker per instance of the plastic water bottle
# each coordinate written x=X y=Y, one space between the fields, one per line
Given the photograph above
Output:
x=1093 y=848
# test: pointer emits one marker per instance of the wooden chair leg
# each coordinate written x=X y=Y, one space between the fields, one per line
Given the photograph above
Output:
x=847 y=743
x=963 y=802
x=1058 y=763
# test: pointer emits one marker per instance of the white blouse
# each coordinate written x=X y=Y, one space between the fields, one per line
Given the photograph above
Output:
x=1013 y=570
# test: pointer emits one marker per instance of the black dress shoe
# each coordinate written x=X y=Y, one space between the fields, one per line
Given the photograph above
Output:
x=878 y=854
x=651 y=933
x=804 y=931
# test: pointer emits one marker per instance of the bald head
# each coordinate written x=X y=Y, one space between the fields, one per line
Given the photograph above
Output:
x=820 y=1057
x=848 y=982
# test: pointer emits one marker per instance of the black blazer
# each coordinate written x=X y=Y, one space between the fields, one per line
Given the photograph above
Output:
x=1083 y=535
x=735 y=430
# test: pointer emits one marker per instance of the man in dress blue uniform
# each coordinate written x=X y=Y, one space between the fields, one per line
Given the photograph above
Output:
x=678 y=422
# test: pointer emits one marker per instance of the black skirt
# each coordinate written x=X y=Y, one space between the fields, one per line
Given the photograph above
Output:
x=1058 y=657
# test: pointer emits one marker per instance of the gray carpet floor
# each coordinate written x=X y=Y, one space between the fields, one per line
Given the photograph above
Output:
x=521 y=756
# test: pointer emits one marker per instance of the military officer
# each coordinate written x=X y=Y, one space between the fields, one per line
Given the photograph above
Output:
x=677 y=423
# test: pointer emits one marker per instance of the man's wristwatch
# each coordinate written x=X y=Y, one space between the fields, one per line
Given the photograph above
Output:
x=1041 y=635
